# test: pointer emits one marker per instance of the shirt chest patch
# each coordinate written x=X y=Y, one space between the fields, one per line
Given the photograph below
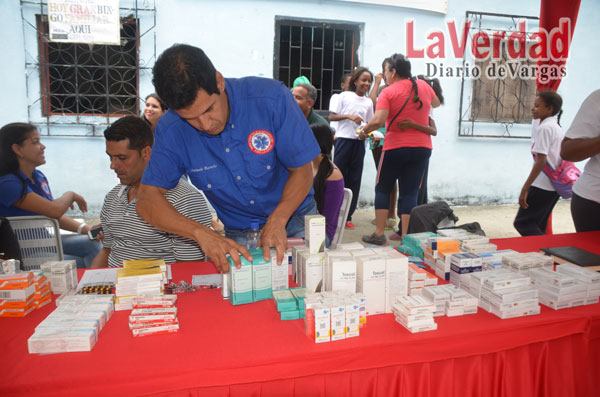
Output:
x=261 y=141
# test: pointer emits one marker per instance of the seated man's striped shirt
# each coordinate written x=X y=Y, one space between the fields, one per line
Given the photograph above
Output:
x=130 y=237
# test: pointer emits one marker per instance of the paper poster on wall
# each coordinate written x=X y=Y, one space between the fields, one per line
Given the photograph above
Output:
x=84 y=21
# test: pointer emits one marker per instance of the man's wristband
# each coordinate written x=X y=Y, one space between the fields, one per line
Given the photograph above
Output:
x=80 y=228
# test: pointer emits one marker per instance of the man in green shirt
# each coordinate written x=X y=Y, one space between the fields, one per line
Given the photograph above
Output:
x=305 y=96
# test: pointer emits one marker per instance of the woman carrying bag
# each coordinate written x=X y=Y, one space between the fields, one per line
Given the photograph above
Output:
x=405 y=151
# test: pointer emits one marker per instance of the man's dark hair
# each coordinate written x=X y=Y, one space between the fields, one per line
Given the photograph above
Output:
x=179 y=72
x=310 y=90
x=133 y=128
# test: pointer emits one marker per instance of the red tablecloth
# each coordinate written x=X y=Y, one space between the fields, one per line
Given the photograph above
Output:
x=246 y=350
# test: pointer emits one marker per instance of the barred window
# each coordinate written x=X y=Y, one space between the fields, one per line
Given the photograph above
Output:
x=89 y=79
x=323 y=51
x=507 y=100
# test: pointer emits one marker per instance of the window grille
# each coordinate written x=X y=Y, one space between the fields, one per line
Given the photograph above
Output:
x=323 y=51
x=78 y=89
x=95 y=80
x=495 y=107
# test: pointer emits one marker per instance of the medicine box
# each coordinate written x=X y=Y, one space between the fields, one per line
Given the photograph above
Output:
x=261 y=276
x=370 y=280
x=284 y=300
x=314 y=232
x=240 y=282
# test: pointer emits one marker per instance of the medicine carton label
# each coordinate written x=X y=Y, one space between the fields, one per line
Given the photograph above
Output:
x=241 y=282
x=370 y=280
x=314 y=232
x=261 y=278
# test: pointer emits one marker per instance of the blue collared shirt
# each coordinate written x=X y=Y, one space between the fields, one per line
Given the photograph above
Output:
x=11 y=188
x=242 y=171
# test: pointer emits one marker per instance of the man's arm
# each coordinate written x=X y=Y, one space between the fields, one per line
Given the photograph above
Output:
x=153 y=207
x=295 y=191
x=579 y=149
x=101 y=259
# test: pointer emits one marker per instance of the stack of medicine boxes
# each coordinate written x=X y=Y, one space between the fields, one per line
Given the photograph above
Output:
x=590 y=280
x=462 y=265
x=61 y=274
x=508 y=294
x=153 y=314
x=523 y=262
x=332 y=316
x=252 y=282
x=290 y=303
x=73 y=326
x=17 y=293
x=415 y=313
x=450 y=300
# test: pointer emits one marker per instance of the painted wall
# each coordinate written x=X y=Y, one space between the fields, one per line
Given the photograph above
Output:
x=238 y=37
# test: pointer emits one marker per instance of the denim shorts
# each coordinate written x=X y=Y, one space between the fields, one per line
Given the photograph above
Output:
x=294 y=227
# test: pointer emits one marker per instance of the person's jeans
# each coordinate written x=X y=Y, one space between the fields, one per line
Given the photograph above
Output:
x=294 y=227
x=80 y=248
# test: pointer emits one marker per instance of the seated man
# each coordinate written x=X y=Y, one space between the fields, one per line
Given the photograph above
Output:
x=305 y=96
x=126 y=236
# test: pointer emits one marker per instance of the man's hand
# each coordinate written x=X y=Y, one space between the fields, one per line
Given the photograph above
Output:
x=217 y=247
x=273 y=235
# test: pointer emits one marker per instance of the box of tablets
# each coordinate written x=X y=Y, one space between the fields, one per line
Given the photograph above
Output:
x=62 y=275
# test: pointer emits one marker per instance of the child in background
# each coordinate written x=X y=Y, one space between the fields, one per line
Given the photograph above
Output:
x=333 y=101
x=328 y=181
x=538 y=197
x=353 y=109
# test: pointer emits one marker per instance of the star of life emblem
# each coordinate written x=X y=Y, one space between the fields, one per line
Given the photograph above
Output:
x=261 y=141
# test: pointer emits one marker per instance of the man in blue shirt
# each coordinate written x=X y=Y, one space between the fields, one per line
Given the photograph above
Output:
x=243 y=142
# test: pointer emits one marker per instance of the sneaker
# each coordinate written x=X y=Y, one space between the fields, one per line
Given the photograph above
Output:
x=373 y=239
x=350 y=225
x=396 y=237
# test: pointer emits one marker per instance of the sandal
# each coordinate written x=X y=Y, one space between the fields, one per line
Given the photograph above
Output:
x=374 y=239
x=390 y=224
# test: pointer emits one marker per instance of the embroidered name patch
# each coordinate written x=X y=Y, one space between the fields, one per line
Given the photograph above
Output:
x=261 y=141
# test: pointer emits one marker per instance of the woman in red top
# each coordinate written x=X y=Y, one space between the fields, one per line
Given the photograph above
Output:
x=405 y=150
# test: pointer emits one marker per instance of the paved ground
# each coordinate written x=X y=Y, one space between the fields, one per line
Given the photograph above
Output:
x=495 y=220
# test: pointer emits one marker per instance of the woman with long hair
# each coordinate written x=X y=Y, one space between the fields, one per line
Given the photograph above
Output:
x=354 y=109
x=328 y=181
x=25 y=190
x=154 y=108
x=405 y=151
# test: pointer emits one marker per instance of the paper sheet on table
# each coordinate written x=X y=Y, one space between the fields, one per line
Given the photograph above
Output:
x=96 y=276
x=207 y=279
x=376 y=134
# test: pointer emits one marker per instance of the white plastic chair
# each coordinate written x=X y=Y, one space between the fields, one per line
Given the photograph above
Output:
x=341 y=223
x=39 y=240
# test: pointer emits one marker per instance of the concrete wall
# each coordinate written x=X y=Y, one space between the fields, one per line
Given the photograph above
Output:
x=238 y=37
